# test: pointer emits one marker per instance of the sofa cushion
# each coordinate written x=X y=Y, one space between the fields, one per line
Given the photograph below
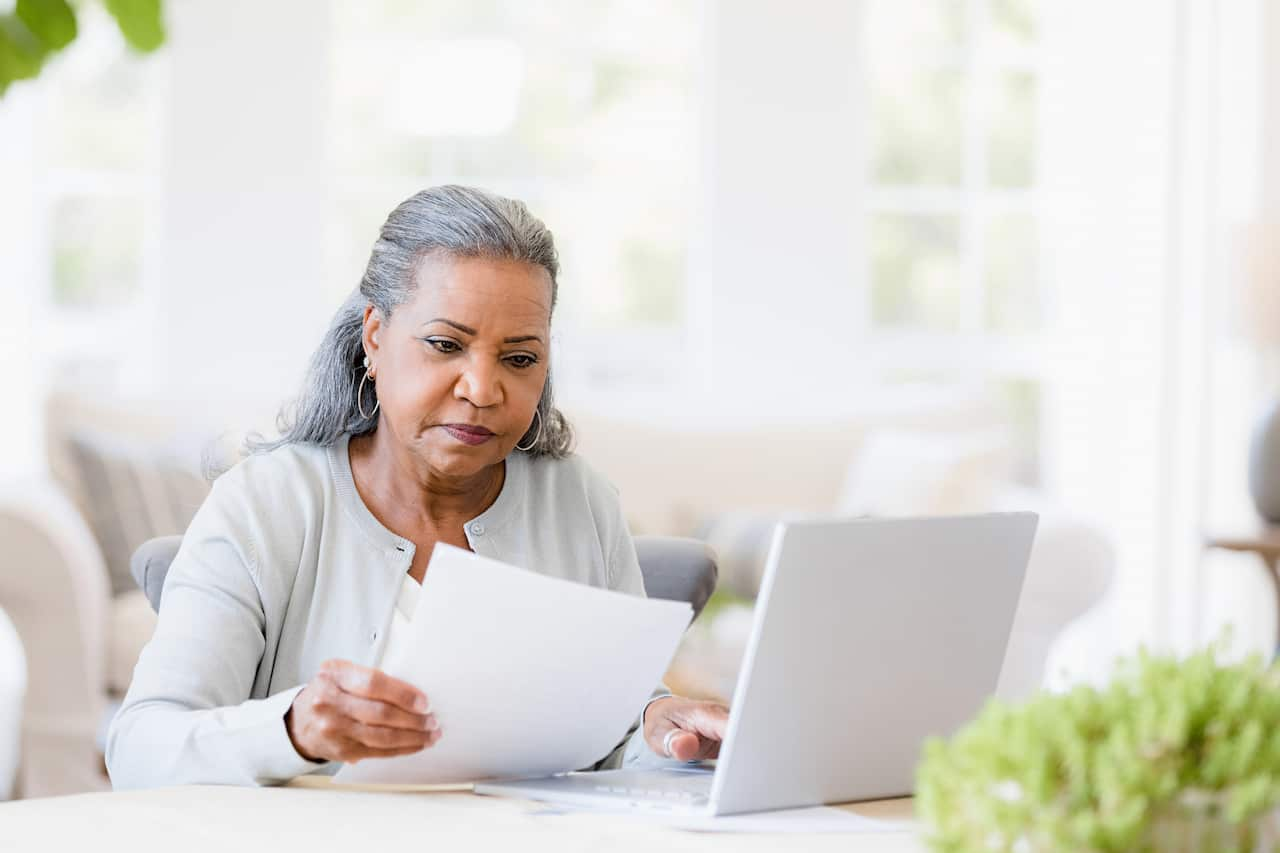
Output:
x=907 y=472
x=131 y=492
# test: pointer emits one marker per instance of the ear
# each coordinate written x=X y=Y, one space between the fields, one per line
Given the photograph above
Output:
x=371 y=336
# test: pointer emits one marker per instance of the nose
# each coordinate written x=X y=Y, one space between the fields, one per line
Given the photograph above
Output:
x=478 y=384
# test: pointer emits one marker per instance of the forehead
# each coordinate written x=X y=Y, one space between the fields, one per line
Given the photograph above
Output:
x=487 y=294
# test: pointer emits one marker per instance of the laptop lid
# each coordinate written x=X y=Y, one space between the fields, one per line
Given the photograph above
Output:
x=870 y=635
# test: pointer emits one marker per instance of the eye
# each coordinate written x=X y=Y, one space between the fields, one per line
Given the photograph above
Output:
x=443 y=345
x=522 y=360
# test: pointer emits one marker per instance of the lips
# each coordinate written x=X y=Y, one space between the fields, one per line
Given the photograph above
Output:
x=470 y=434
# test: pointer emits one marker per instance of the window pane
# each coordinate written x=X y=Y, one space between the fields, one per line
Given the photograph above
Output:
x=394 y=115
x=918 y=128
x=98 y=116
x=915 y=269
x=569 y=112
x=1013 y=24
x=623 y=269
x=921 y=32
x=1013 y=293
x=1011 y=141
x=97 y=250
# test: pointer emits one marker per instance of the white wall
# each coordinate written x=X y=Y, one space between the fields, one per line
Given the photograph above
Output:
x=21 y=446
x=779 y=237
x=241 y=301
x=1124 y=171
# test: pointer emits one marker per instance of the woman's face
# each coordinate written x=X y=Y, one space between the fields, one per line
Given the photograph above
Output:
x=460 y=367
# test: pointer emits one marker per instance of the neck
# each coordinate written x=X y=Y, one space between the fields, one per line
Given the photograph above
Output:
x=395 y=477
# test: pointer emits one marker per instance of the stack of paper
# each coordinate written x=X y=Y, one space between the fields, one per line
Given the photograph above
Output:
x=528 y=675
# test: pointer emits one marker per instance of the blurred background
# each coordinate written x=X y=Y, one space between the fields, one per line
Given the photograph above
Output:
x=827 y=256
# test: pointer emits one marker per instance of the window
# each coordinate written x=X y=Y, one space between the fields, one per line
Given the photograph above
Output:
x=952 y=208
x=95 y=131
x=583 y=109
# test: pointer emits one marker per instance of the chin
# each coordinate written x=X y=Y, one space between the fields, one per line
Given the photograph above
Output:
x=461 y=460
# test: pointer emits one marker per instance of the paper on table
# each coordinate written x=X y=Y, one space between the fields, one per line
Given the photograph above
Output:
x=528 y=675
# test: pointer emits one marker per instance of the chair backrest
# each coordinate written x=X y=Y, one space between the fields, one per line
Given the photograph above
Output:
x=673 y=568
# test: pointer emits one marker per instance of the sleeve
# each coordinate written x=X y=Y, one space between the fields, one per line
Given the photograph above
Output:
x=187 y=717
x=625 y=576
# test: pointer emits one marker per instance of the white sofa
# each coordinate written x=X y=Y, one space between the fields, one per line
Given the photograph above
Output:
x=13 y=688
x=53 y=584
x=676 y=478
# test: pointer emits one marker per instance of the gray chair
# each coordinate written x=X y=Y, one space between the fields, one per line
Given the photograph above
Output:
x=674 y=569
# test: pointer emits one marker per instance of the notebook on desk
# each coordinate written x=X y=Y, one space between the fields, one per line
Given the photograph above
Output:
x=869 y=636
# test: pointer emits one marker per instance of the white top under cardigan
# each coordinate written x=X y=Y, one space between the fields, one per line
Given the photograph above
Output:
x=284 y=567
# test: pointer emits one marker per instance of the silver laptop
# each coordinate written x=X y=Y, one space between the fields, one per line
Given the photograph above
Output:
x=870 y=635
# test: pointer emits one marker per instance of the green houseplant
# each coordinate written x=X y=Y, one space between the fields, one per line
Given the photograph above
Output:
x=37 y=29
x=1172 y=755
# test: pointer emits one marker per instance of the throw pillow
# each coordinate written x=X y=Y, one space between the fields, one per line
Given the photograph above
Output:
x=131 y=493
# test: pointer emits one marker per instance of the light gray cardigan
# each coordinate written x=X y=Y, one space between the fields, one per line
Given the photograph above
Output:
x=284 y=567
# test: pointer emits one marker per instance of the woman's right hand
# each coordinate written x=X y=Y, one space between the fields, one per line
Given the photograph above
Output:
x=349 y=712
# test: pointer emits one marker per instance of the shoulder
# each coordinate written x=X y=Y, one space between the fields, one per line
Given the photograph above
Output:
x=570 y=479
x=569 y=501
x=268 y=503
x=289 y=467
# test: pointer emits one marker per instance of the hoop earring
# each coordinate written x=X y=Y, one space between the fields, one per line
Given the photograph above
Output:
x=536 y=436
x=360 y=394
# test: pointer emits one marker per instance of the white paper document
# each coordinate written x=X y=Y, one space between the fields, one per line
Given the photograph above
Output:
x=528 y=675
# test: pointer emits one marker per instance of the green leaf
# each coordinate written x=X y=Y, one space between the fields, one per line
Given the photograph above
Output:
x=21 y=53
x=51 y=21
x=140 y=22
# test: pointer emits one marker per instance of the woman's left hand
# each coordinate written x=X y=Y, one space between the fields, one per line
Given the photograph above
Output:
x=685 y=729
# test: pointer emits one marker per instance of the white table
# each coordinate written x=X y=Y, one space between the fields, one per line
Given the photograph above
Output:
x=319 y=817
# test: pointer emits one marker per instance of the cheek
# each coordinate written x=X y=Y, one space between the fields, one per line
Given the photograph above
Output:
x=530 y=390
x=414 y=389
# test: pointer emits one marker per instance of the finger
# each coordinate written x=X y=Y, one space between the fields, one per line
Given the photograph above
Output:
x=380 y=737
x=685 y=746
x=707 y=719
x=688 y=746
x=375 y=684
x=667 y=739
x=354 y=751
x=375 y=713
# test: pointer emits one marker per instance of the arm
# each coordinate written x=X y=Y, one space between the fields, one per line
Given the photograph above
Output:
x=187 y=717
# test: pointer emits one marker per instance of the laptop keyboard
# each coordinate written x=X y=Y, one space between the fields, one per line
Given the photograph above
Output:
x=676 y=786
x=653 y=793
x=671 y=788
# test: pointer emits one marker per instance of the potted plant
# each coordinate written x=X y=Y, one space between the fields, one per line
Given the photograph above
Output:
x=1171 y=755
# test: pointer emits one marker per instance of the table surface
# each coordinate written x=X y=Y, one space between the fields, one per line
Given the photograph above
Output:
x=313 y=816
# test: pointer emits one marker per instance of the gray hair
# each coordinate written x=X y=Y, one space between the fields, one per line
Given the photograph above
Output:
x=452 y=220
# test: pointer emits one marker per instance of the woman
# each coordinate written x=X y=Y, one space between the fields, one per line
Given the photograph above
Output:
x=427 y=417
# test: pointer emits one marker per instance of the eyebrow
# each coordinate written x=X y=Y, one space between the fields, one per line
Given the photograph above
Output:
x=517 y=339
